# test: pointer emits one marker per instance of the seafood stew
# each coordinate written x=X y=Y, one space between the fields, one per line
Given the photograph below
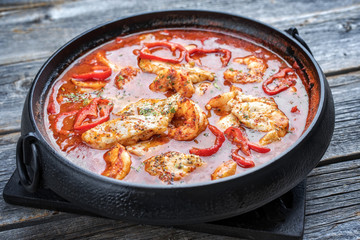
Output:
x=176 y=106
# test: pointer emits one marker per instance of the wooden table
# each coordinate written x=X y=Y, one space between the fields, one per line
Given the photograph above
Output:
x=32 y=30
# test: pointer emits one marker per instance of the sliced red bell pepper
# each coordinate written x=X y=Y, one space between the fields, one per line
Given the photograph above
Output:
x=224 y=59
x=220 y=139
x=146 y=54
x=99 y=73
x=59 y=130
x=239 y=138
x=236 y=136
x=295 y=109
x=258 y=148
x=286 y=77
x=91 y=111
x=241 y=161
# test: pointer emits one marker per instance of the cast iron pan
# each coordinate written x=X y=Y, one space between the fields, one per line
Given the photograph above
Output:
x=39 y=163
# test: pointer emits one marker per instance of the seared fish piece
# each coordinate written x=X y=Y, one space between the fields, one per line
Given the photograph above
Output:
x=227 y=121
x=172 y=166
x=147 y=107
x=138 y=121
x=125 y=75
x=261 y=114
x=256 y=67
x=126 y=130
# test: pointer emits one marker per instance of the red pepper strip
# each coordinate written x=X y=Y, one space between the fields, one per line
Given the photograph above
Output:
x=238 y=137
x=60 y=131
x=224 y=59
x=99 y=73
x=285 y=82
x=241 y=161
x=235 y=136
x=258 y=148
x=220 y=139
x=146 y=54
x=295 y=109
x=91 y=111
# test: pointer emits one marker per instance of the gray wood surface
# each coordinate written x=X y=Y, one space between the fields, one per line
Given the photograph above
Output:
x=31 y=30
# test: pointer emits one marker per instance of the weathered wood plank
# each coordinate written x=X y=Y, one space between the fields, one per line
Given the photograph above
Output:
x=332 y=202
x=36 y=33
x=346 y=92
x=14 y=85
x=31 y=31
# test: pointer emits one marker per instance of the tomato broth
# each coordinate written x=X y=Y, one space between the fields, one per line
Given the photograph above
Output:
x=66 y=97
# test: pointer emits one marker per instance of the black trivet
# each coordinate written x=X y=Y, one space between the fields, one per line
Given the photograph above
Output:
x=280 y=219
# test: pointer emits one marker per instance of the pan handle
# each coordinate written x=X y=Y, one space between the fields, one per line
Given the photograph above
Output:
x=27 y=162
x=295 y=34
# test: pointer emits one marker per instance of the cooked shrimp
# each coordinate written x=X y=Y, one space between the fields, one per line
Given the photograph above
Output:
x=256 y=69
x=189 y=121
x=118 y=162
x=172 y=166
x=171 y=79
x=226 y=169
x=179 y=78
x=261 y=114
x=126 y=75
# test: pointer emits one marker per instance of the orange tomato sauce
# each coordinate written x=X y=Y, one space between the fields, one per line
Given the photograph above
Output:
x=123 y=51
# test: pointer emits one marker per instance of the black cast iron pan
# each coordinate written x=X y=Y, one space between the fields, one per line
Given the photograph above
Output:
x=38 y=162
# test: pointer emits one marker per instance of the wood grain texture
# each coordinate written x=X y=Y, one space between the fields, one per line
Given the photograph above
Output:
x=38 y=32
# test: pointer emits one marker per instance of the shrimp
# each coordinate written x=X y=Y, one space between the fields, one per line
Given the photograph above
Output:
x=166 y=107
x=189 y=121
x=171 y=79
x=179 y=78
x=256 y=67
x=172 y=166
x=118 y=162
x=226 y=169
